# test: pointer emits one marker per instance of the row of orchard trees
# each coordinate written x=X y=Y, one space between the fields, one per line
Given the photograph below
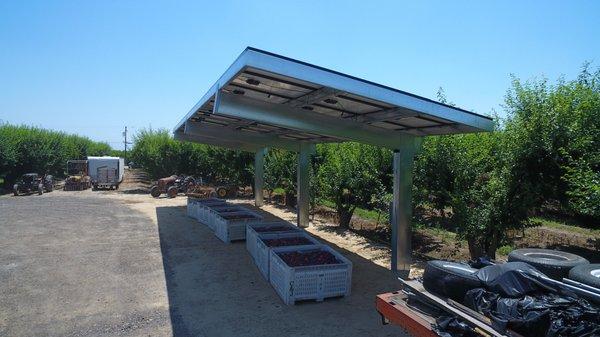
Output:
x=25 y=149
x=543 y=156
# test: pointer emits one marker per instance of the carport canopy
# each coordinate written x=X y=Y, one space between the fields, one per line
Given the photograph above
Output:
x=267 y=100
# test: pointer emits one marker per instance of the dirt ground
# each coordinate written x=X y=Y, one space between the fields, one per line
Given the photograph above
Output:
x=123 y=263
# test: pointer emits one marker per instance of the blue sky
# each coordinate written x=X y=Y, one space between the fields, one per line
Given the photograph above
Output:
x=92 y=67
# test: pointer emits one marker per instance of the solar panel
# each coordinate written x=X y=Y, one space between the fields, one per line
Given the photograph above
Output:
x=263 y=98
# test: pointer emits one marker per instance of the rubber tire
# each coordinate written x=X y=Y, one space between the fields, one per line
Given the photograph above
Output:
x=155 y=191
x=222 y=192
x=450 y=279
x=172 y=192
x=556 y=265
x=583 y=274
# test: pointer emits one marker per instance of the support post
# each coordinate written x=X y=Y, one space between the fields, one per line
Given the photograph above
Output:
x=402 y=212
x=259 y=176
x=303 y=201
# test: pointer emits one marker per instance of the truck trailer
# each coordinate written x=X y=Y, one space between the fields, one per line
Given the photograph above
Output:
x=106 y=172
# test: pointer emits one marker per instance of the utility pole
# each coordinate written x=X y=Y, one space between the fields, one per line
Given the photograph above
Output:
x=125 y=142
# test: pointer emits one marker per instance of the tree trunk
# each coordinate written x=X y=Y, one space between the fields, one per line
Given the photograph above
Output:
x=344 y=216
x=479 y=247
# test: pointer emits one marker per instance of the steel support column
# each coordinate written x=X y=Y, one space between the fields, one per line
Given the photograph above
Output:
x=259 y=176
x=402 y=211
x=303 y=201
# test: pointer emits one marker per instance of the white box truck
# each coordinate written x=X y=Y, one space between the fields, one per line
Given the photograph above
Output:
x=106 y=172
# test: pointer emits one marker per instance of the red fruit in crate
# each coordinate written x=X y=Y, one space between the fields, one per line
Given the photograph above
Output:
x=293 y=241
x=271 y=229
x=308 y=258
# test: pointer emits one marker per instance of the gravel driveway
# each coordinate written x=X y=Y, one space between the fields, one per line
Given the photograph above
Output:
x=88 y=264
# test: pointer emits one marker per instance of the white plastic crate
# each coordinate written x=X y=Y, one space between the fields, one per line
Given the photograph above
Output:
x=210 y=214
x=204 y=211
x=192 y=206
x=251 y=233
x=263 y=251
x=309 y=282
x=195 y=206
x=234 y=229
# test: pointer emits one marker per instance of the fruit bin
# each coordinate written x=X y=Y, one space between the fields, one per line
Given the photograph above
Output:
x=208 y=214
x=195 y=206
x=192 y=205
x=205 y=207
x=232 y=226
x=252 y=231
x=312 y=282
x=266 y=242
x=213 y=214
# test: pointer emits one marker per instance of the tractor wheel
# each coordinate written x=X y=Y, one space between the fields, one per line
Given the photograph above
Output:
x=155 y=191
x=172 y=192
x=222 y=192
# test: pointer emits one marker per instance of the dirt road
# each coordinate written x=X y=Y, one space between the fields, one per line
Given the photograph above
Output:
x=117 y=263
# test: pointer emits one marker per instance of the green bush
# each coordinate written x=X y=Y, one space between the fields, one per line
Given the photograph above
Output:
x=349 y=175
x=30 y=149
x=160 y=155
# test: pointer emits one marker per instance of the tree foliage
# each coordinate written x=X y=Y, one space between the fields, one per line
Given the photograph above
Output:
x=349 y=175
x=160 y=155
x=26 y=149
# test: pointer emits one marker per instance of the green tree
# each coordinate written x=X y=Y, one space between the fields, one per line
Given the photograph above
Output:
x=348 y=176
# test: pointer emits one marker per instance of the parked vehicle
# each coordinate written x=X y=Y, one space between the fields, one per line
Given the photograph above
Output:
x=32 y=183
x=77 y=176
x=106 y=172
x=172 y=186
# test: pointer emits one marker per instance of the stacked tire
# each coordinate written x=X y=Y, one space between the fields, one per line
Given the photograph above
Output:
x=555 y=264
x=450 y=279
x=588 y=274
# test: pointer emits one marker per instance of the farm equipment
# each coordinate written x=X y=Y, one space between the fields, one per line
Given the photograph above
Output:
x=33 y=182
x=172 y=186
x=220 y=191
x=77 y=176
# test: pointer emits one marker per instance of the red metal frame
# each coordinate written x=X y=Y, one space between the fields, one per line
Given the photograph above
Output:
x=394 y=310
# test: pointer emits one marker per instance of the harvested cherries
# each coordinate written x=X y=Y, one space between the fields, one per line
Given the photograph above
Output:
x=309 y=258
x=272 y=229
x=294 y=241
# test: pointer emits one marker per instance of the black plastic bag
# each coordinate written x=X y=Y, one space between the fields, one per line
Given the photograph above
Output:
x=513 y=279
x=449 y=326
x=544 y=315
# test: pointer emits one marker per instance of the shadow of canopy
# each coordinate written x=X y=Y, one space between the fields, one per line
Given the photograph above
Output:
x=214 y=289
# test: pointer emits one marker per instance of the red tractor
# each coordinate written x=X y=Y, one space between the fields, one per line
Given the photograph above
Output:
x=172 y=186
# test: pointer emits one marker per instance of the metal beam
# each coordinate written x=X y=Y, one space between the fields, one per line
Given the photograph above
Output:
x=259 y=176
x=402 y=211
x=307 y=121
x=233 y=145
x=312 y=97
x=388 y=114
x=254 y=138
x=303 y=202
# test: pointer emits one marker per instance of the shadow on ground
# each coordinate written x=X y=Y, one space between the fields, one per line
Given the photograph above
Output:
x=214 y=289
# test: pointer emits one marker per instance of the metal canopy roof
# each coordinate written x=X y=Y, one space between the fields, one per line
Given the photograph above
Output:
x=268 y=100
